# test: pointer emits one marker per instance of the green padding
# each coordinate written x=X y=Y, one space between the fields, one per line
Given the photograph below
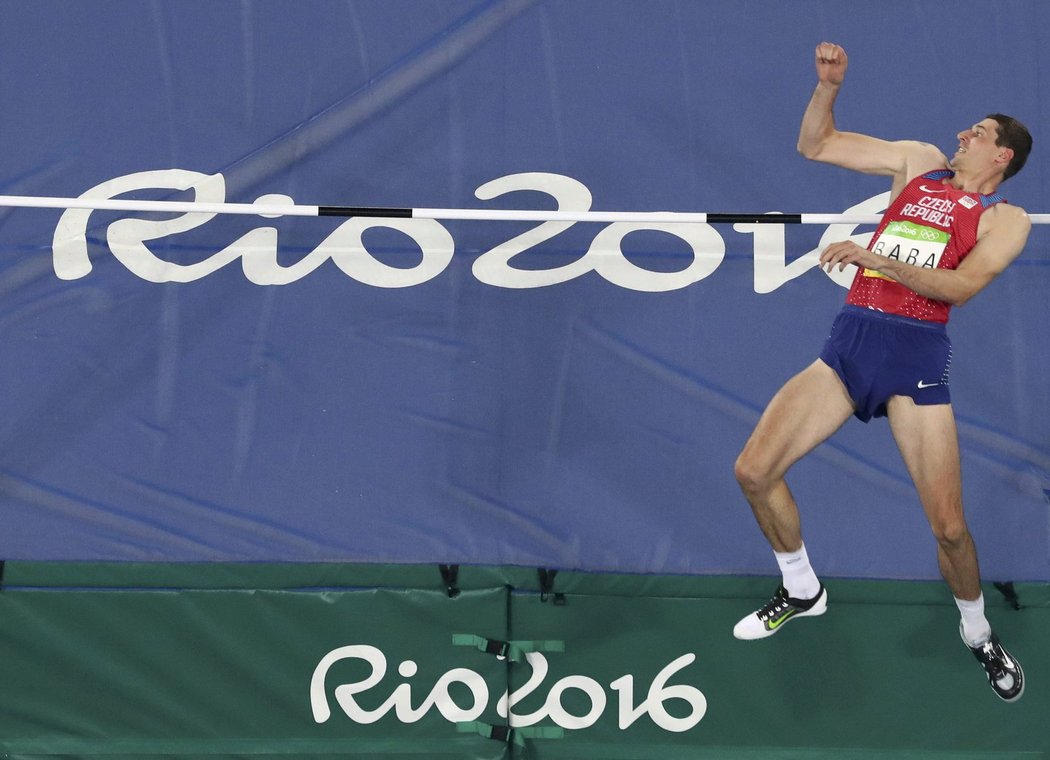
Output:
x=864 y=680
x=196 y=673
x=515 y=736
x=280 y=673
x=251 y=575
x=316 y=576
x=650 y=752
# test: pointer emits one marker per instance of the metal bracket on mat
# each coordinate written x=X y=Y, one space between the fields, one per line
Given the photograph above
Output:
x=450 y=577
x=547 y=587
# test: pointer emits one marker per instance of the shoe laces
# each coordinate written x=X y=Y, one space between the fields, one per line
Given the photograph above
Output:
x=993 y=660
x=774 y=606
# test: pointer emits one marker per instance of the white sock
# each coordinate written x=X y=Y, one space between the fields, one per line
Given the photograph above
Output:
x=799 y=579
x=976 y=628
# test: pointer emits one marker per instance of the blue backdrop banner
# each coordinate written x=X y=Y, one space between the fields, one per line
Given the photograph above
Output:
x=187 y=387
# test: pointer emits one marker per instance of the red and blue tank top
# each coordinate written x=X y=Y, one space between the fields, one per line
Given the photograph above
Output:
x=930 y=224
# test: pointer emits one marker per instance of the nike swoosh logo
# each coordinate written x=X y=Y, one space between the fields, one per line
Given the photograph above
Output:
x=929 y=190
x=770 y=625
x=926 y=385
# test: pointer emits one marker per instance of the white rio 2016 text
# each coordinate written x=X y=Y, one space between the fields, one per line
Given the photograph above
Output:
x=257 y=249
x=400 y=699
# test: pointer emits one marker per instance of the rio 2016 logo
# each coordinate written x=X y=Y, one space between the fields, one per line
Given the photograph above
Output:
x=257 y=249
x=400 y=700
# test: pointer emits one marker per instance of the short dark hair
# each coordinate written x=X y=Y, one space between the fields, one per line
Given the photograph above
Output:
x=1014 y=135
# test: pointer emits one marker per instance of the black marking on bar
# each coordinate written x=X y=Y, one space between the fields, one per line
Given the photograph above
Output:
x=754 y=218
x=407 y=213
x=398 y=213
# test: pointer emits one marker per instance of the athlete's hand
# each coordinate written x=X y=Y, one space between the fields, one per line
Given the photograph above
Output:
x=831 y=63
x=847 y=252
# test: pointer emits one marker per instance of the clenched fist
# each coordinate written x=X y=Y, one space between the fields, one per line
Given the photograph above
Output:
x=831 y=63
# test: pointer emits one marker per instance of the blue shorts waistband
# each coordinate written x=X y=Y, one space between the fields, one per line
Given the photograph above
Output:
x=865 y=313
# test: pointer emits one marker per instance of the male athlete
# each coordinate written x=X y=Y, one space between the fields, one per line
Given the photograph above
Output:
x=946 y=234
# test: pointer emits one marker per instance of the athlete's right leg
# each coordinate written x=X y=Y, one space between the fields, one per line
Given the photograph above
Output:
x=803 y=414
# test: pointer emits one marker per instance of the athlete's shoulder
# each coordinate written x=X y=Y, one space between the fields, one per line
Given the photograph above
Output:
x=1007 y=224
x=922 y=158
x=926 y=147
x=1004 y=213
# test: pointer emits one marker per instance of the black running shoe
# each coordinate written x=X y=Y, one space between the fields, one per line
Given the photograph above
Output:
x=1003 y=670
x=777 y=611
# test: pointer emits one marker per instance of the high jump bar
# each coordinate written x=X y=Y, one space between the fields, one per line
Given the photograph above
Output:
x=290 y=209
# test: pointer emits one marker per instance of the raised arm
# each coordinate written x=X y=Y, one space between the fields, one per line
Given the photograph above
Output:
x=819 y=140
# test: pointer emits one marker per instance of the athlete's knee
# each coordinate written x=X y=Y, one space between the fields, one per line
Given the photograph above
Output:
x=951 y=534
x=751 y=474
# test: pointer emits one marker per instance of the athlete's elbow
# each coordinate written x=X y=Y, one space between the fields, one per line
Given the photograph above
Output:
x=815 y=144
x=808 y=149
x=970 y=288
x=962 y=296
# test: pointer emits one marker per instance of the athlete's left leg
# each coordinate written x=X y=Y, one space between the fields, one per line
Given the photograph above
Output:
x=929 y=444
x=928 y=441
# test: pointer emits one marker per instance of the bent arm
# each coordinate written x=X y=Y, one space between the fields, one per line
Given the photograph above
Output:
x=995 y=250
x=1008 y=228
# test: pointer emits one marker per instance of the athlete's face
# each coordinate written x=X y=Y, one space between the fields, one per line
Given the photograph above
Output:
x=977 y=149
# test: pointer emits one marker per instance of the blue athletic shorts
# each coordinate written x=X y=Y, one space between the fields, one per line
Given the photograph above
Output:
x=878 y=355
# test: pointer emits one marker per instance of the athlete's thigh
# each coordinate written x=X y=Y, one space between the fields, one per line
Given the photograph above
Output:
x=929 y=444
x=803 y=414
